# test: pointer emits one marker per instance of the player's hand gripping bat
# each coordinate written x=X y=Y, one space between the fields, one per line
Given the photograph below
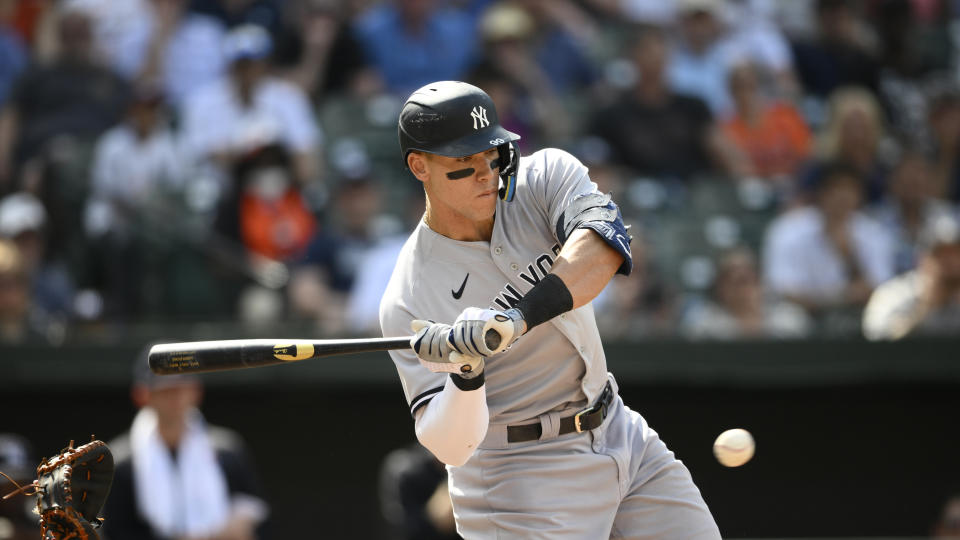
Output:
x=203 y=356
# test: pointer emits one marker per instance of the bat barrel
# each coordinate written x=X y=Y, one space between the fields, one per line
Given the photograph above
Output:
x=206 y=356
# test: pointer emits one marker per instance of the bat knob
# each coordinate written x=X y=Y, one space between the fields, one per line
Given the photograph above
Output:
x=492 y=339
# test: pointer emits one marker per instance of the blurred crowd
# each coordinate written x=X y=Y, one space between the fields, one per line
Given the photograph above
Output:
x=791 y=169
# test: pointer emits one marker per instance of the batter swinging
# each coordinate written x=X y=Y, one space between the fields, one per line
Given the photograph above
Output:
x=537 y=442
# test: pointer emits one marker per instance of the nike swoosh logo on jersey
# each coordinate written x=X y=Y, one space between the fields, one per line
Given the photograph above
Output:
x=458 y=294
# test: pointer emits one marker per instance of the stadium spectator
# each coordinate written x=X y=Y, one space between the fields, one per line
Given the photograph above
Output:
x=375 y=268
x=333 y=258
x=944 y=122
x=839 y=54
x=925 y=301
x=134 y=161
x=176 y=476
x=702 y=54
x=17 y=521
x=852 y=136
x=23 y=220
x=830 y=254
x=414 y=499
x=655 y=132
x=771 y=133
x=74 y=95
x=738 y=306
x=137 y=170
x=265 y=209
x=910 y=207
x=549 y=38
x=761 y=41
x=13 y=52
x=318 y=52
x=15 y=323
x=415 y=42
x=248 y=108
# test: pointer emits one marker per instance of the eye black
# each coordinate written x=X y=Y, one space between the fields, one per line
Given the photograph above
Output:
x=460 y=173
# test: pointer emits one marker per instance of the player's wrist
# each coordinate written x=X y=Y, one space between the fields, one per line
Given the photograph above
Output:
x=519 y=321
x=546 y=300
x=468 y=382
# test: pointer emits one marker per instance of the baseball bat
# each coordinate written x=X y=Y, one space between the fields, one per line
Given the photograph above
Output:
x=206 y=356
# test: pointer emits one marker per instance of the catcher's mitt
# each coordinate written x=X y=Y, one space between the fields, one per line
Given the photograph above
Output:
x=71 y=488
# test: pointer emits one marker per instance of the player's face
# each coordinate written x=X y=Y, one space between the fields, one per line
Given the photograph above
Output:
x=466 y=185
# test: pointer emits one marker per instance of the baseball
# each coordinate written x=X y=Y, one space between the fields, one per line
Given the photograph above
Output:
x=734 y=447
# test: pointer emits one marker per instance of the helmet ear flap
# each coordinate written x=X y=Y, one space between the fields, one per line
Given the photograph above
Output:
x=509 y=164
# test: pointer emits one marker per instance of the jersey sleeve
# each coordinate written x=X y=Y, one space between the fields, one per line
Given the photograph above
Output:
x=556 y=178
x=420 y=385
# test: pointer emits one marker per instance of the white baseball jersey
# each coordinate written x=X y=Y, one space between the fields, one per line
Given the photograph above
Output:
x=555 y=366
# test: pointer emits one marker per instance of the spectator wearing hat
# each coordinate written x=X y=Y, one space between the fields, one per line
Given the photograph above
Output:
x=17 y=520
x=23 y=220
x=176 y=476
x=924 y=301
x=249 y=108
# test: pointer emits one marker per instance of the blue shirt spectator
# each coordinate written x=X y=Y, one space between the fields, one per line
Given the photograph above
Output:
x=412 y=43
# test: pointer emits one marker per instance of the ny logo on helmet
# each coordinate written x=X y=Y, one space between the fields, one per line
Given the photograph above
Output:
x=479 y=115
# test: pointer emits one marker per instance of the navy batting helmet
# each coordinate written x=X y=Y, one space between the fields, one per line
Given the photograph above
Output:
x=455 y=119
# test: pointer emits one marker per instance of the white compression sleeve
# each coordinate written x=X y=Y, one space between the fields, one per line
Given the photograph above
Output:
x=453 y=423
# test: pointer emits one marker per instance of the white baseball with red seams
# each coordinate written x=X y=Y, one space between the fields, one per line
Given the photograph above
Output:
x=734 y=447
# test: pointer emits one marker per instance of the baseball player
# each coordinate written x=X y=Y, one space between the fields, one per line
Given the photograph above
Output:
x=506 y=376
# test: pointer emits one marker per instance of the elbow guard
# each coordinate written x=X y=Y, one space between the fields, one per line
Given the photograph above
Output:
x=598 y=212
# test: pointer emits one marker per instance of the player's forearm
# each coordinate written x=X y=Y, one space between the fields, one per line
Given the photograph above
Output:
x=452 y=425
x=586 y=264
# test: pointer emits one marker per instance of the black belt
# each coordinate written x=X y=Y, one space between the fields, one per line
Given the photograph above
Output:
x=586 y=419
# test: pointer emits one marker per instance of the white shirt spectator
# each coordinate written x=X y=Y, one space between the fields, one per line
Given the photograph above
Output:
x=128 y=170
x=800 y=260
x=214 y=119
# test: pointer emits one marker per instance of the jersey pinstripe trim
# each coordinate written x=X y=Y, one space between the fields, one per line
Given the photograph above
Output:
x=423 y=399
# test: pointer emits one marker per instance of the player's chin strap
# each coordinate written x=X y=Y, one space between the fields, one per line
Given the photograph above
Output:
x=509 y=164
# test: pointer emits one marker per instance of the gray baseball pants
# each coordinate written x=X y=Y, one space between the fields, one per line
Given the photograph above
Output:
x=619 y=481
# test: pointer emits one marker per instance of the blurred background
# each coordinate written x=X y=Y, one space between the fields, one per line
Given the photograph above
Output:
x=184 y=170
